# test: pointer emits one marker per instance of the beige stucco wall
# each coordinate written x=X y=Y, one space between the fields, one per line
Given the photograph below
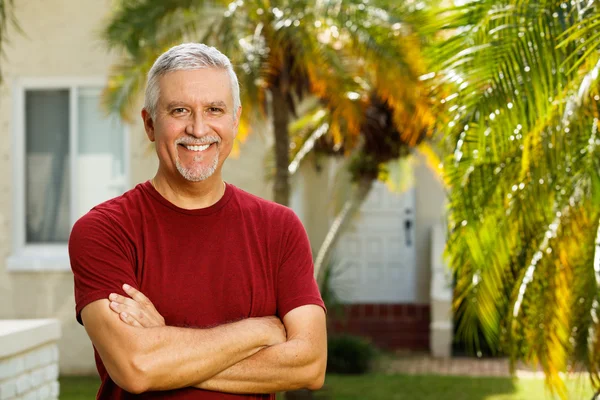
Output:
x=58 y=42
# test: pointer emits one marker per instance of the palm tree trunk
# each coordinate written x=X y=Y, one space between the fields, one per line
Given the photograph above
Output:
x=352 y=205
x=281 y=118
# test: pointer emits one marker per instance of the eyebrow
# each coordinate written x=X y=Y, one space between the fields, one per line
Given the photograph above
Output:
x=175 y=104
x=217 y=104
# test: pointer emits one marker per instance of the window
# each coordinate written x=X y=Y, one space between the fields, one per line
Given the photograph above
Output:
x=69 y=156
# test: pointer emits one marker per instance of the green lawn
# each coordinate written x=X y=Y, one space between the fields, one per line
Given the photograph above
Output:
x=396 y=387
x=76 y=388
x=432 y=387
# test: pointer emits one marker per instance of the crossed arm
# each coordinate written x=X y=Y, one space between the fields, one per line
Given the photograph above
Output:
x=255 y=355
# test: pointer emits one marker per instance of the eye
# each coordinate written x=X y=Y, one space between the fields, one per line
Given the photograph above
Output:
x=215 y=110
x=178 y=110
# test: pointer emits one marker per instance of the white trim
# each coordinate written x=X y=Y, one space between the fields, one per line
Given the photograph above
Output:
x=59 y=82
x=18 y=169
x=40 y=258
x=47 y=257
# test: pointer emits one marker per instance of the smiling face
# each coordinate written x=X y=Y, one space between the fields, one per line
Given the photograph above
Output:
x=195 y=123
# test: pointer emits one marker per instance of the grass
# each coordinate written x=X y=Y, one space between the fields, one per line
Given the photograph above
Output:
x=430 y=387
x=78 y=388
x=396 y=387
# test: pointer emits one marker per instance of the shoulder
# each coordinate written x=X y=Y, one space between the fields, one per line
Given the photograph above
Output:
x=265 y=208
x=275 y=220
x=111 y=215
x=127 y=202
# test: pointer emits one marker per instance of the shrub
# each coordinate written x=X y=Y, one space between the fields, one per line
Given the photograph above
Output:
x=348 y=354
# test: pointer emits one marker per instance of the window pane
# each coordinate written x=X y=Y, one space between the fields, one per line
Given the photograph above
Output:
x=47 y=166
x=101 y=154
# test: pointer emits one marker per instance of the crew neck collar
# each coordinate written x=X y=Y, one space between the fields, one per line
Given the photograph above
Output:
x=147 y=186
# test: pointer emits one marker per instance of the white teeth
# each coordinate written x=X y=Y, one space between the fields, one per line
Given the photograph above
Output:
x=198 y=148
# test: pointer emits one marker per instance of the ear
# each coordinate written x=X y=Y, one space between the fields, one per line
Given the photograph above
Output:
x=236 y=122
x=148 y=124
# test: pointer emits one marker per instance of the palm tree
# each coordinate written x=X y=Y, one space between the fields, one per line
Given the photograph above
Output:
x=396 y=115
x=520 y=89
x=381 y=140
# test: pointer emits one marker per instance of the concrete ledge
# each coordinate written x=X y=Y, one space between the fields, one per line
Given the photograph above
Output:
x=17 y=336
x=441 y=336
x=29 y=359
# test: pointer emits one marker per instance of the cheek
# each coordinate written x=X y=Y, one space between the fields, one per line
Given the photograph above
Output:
x=170 y=129
x=227 y=141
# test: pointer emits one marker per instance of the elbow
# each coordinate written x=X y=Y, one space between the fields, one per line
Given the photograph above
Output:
x=139 y=377
x=316 y=375
x=316 y=383
x=132 y=386
x=131 y=375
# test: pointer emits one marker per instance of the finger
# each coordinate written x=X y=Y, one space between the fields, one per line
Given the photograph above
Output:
x=126 y=314
x=119 y=307
x=130 y=309
x=114 y=306
x=124 y=300
x=120 y=299
x=129 y=320
x=137 y=313
x=136 y=294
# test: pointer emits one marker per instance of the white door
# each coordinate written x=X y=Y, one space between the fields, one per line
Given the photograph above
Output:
x=375 y=258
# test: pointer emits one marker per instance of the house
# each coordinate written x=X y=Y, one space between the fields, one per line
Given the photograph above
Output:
x=60 y=155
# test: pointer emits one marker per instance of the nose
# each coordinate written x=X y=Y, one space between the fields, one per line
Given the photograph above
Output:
x=197 y=126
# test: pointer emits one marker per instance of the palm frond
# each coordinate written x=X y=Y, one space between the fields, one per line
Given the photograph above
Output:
x=139 y=24
x=521 y=162
x=7 y=21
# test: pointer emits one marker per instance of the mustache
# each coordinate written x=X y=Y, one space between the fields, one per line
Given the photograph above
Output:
x=198 y=141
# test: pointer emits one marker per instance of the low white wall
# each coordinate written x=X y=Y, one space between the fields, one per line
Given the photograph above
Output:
x=29 y=359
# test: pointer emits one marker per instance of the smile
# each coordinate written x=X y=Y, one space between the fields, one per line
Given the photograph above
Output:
x=197 y=148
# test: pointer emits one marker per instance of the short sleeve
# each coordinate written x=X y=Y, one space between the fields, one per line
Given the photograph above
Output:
x=101 y=259
x=296 y=285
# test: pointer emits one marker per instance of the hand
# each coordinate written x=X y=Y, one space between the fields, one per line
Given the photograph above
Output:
x=276 y=333
x=136 y=311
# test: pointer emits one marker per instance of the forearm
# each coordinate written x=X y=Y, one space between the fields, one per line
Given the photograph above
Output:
x=287 y=366
x=170 y=358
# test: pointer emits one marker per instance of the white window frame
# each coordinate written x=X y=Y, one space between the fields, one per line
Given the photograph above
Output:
x=46 y=257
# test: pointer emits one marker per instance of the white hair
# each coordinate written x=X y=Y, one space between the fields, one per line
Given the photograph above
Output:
x=188 y=56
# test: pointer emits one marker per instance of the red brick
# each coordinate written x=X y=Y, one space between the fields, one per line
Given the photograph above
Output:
x=369 y=310
x=398 y=310
x=338 y=326
x=425 y=310
x=390 y=326
x=409 y=311
x=353 y=324
x=384 y=311
x=354 y=310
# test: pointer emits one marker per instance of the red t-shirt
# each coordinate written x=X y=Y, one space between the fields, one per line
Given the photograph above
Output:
x=241 y=257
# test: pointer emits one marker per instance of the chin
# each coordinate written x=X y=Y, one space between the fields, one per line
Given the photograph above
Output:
x=198 y=174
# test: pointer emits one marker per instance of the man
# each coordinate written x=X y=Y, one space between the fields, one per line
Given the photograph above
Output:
x=190 y=288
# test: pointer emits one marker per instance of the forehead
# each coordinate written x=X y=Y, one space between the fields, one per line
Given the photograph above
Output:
x=197 y=85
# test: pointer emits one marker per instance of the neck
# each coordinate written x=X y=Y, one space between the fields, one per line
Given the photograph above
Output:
x=190 y=195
